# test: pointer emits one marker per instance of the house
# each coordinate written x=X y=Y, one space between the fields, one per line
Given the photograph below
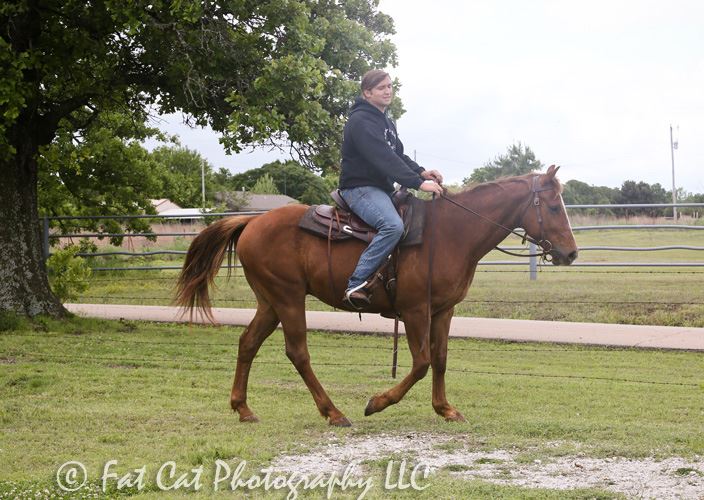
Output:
x=165 y=206
x=244 y=201
x=248 y=203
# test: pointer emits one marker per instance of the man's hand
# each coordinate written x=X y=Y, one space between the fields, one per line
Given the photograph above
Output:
x=432 y=175
x=430 y=186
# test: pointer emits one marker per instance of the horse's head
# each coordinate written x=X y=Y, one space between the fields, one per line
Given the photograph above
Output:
x=545 y=218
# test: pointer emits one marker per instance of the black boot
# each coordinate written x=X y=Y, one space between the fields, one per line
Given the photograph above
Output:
x=359 y=298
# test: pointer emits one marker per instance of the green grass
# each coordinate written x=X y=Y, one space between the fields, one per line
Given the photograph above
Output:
x=144 y=394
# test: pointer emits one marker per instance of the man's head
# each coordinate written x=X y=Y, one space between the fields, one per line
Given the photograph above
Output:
x=377 y=89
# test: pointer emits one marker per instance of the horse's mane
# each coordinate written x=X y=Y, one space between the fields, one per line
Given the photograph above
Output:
x=475 y=188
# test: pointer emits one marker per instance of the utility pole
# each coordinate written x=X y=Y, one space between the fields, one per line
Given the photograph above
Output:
x=673 y=146
x=202 y=181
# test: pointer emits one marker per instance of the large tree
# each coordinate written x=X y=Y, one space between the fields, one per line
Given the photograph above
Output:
x=102 y=169
x=184 y=172
x=518 y=160
x=279 y=71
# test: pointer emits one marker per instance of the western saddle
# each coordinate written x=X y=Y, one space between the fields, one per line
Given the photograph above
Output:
x=338 y=223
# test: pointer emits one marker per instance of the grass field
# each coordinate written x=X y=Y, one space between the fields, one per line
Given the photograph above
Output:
x=645 y=295
x=144 y=394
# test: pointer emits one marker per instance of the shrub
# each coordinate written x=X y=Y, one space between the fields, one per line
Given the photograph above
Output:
x=68 y=274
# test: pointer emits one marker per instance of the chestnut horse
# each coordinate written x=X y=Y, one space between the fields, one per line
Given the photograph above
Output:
x=283 y=264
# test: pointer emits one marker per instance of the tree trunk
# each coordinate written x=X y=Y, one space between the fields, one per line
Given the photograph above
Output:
x=24 y=287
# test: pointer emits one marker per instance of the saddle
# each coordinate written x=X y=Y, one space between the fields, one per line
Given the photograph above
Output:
x=339 y=222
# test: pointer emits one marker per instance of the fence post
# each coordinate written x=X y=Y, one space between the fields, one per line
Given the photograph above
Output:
x=533 y=262
x=45 y=238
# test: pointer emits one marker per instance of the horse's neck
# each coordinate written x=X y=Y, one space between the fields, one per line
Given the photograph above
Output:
x=500 y=203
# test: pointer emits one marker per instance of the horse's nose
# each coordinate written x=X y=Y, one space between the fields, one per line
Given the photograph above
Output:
x=561 y=259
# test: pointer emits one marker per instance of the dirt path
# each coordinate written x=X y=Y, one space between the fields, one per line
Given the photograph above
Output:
x=661 y=337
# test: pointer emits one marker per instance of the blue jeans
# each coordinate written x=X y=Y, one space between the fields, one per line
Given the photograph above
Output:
x=374 y=207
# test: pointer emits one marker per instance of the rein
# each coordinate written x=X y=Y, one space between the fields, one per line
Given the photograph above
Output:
x=544 y=244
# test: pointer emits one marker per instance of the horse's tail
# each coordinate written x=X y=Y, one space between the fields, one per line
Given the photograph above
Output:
x=203 y=260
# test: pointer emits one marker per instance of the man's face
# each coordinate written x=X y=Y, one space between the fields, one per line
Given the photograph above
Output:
x=381 y=95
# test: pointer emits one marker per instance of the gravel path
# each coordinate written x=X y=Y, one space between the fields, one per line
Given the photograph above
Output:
x=671 y=478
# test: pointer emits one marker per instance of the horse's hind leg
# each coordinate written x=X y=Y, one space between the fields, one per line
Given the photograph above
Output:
x=293 y=321
x=439 y=331
x=416 y=330
x=262 y=325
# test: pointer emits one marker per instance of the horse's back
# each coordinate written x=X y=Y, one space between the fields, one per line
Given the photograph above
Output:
x=272 y=232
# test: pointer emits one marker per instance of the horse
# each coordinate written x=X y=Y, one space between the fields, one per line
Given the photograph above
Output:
x=283 y=264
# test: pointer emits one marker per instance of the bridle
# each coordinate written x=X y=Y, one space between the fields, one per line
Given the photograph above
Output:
x=544 y=244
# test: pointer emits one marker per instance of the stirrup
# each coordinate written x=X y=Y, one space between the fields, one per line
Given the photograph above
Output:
x=358 y=297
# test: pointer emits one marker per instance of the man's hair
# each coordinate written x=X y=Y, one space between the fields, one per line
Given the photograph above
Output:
x=372 y=78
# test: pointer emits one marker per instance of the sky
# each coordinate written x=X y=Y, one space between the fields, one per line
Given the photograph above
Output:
x=591 y=86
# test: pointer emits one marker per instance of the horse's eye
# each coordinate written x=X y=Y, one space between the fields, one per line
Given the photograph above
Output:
x=554 y=209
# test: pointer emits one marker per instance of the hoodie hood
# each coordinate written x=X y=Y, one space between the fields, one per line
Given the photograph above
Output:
x=361 y=105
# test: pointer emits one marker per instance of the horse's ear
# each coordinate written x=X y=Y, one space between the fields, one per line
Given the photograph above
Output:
x=552 y=170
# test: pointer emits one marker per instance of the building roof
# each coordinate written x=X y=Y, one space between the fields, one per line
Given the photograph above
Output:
x=163 y=204
x=255 y=202
x=267 y=201
x=186 y=213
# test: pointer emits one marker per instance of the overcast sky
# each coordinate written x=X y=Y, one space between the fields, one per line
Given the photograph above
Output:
x=591 y=86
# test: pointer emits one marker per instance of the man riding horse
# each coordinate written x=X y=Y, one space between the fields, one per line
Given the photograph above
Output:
x=372 y=160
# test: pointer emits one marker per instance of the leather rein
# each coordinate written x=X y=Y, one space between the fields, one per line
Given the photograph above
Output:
x=543 y=243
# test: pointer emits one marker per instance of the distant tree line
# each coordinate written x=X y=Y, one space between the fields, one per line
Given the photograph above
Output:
x=520 y=159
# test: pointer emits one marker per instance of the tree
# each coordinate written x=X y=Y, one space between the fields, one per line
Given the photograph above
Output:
x=690 y=198
x=518 y=160
x=182 y=172
x=642 y=192
x=580 y=193
x=103 y=170
x=259 y=72
x=265 y=185
x=291 y=179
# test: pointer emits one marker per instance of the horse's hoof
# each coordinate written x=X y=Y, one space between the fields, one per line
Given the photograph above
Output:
x=341 y=422
x=455 y=417
x=251 y=418
x=370 y=408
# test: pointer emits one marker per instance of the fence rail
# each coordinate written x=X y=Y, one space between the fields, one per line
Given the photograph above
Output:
x=532 y=261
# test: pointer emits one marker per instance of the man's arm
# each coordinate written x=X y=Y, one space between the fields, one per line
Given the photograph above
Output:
x=406 y=159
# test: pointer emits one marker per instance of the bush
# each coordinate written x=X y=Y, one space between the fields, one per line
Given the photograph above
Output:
x=9 y=321
x=68 y=274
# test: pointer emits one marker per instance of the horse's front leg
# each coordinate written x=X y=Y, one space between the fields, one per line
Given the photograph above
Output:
x=416 y=323
x=439 y=332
